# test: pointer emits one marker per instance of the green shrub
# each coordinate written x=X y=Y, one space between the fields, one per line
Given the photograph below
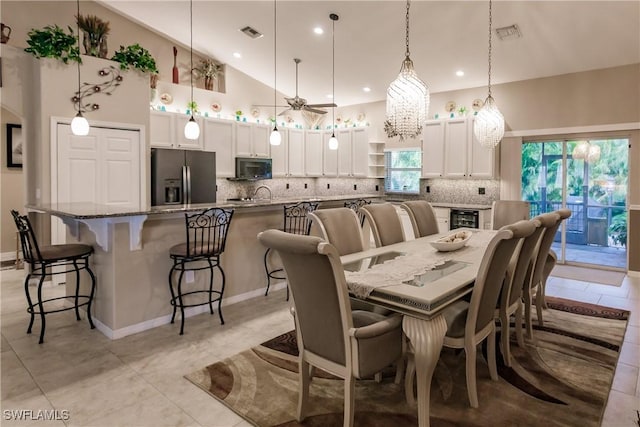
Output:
x=53 y=42
x=136 y=57
x=618 y=229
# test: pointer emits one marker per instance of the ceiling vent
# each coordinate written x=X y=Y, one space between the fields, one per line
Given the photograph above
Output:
x=509 y=33
x=251 y=32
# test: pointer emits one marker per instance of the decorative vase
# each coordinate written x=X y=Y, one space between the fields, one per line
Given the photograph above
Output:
x=104 y=51
x=208 y=83
x=153 y=81
x=95 y=45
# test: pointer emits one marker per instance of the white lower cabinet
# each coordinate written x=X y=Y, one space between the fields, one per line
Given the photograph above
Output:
x=442 y=216
x=219 y=137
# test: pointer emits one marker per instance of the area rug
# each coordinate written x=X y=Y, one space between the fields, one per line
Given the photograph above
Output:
x=591 y=275
x=562 y=378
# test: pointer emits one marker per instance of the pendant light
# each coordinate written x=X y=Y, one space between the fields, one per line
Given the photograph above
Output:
x=191 y=129
x=489 y=123
x=275 y=138
x=407 y=99
x=333 y=141
x=79 y=125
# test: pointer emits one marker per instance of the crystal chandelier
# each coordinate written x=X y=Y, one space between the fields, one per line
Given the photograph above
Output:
x=407 y=99
x=489 y=124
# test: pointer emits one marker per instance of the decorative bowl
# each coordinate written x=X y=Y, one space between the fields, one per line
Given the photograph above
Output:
x=452 y=242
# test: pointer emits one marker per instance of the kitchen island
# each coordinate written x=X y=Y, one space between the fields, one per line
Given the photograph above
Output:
x=132 y=263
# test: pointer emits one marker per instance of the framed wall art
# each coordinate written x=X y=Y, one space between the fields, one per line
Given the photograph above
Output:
x=14 y=146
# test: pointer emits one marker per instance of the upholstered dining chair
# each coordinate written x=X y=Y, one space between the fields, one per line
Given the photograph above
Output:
x=552 y=258
x=422 y=216
x=355 y=206
x=510 y=301
x=470 y=323
x=348 y=344
x=385 y=223
x=505 y=212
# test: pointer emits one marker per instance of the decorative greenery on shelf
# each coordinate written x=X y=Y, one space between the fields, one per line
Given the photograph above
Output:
x=239 y=113
x=95 y=35
x=136 y=57
x=53 y=42
x=209 y=69
x=193 y=106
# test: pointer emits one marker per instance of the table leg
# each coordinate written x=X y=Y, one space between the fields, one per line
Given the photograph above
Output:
x=426 y=337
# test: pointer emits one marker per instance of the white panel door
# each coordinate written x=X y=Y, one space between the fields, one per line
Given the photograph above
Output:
x=313 y=153
x=360 y=152
x=345 y=151
x=119 y=179
x=433 y=150
x=296 y=152
x=78 y=166
x=218 y=137
x=455 y=157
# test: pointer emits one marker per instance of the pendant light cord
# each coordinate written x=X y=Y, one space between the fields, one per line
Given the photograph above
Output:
x=79 y=59
x=490 y=22
x=333 y=73
x=407 y=33
x=191 y=52
x=275 y=65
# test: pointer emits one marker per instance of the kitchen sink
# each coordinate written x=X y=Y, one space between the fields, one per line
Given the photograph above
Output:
x=243 y=199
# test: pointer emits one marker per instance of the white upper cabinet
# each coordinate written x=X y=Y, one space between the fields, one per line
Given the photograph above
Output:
x=252 y=140
x=483 y=162
x=455 y=149
x=167 y=131
x=433 y=149
x=280 y=156
x=353 y=152
x=330 y=157
x=288 y=157
x=345 y=151
x=219 y=137
x=313 y=149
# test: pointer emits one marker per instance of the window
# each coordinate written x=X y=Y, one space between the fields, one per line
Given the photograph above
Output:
x=403 y=169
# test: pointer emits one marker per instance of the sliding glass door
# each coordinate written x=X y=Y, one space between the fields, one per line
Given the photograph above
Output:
x=589 y=177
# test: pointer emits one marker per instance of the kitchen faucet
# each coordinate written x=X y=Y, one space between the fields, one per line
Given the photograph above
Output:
x=261 y=187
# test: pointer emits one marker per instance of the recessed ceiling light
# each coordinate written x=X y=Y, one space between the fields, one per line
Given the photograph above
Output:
x=318 y=30
x=366 y=89
x=330 y=96
x=459 y=73
x=237 y=55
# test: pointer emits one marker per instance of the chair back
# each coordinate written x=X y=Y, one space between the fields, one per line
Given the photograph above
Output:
x=207 y=232
x=318 y=286
x=422 y=216
x=341 y=228
x=385 y=223
x=551 y=227
x=295 y=217
x=28 y=242
x=505 y=212
x=491 y=274
x=355 y=206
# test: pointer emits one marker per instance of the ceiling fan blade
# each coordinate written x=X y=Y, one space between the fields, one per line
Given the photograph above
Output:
x=313 y=110
x=270 y=105
x=321 y=105
x=280 y=114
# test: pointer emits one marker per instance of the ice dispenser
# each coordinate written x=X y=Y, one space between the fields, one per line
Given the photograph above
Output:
x=172 y=191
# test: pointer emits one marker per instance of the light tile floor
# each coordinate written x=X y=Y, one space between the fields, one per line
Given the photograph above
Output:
x=138 y=380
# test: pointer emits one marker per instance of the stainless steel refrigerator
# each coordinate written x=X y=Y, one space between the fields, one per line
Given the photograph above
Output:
x=182 y=177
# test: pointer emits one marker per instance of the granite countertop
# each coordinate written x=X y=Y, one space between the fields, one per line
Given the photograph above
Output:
x=92 y=211
x=445 y=205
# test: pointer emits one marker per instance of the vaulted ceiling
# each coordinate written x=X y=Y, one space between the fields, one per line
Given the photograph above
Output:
x=558 y=37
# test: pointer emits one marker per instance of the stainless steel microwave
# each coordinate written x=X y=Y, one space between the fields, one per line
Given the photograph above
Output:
x=253 y=168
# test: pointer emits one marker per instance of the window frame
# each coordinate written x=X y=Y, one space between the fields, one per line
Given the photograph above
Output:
x=388 y=170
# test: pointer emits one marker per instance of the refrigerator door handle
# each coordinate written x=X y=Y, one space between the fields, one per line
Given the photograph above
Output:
x=185 y=186
x=188 y=168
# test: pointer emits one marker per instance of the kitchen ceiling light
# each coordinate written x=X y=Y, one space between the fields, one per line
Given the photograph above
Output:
x=333 y=141
x=79 y=124
x=275 y=138
x=407 y=99
x=318 y=30
x=237 y=55
x=366 y=89
x=191 y=129
x=459 y=73
x=489 y=123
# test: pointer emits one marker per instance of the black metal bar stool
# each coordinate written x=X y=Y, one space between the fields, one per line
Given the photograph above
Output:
x=355 y=206
x=206 y=239
x=43 y=261
x=295 y=222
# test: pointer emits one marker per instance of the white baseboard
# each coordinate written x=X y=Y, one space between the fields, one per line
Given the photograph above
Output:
x=632 y=273
x=7 y=256
x=164 y=320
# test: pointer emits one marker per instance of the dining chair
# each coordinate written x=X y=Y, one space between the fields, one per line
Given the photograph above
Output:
x=341 y=228
x=46 y=261
x=510 y=301
x=505 y=212
x=470 y=323
x=385 y=223
x=422 y=216
x=348 y=344
x=355 y=206
x=206 y=236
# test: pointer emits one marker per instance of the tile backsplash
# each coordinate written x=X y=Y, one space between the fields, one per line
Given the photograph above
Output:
x=463 y=191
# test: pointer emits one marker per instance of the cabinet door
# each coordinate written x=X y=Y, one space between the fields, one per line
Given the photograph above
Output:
x=243 y=140
x=313 y=153
x=182 y=142
x=481 y=160
x=218 y=137
x=161 y=130
x=442 y=217
x=330 y=157
x=360 y=152
x=260 y=140
x=345 y=152
x=279 y=156
x=433 y=150
x=296 y=152
x=455 y=155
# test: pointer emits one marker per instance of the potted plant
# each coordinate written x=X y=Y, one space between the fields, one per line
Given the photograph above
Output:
x=192 y=107
x=136 y=57
x=53 y=42
x=210 y=71
x=95 y=35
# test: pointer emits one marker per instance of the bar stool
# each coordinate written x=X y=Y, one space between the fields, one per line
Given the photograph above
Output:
x=295 y=222
x=43 y=261
x=206 y=239
x=355 y=206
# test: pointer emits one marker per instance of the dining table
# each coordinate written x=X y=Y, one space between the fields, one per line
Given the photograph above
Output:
x=418 y=281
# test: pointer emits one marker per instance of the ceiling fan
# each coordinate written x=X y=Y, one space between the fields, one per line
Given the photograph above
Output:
x=300 y=104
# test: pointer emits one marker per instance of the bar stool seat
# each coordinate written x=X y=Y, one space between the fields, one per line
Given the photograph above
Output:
x=206 y=238
x=45 y=261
